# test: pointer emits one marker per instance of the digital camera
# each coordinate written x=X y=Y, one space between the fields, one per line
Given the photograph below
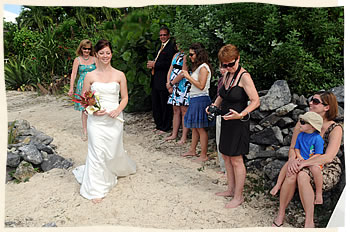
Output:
x=213 y=112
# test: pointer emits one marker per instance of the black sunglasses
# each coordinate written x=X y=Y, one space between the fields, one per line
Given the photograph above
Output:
x=163 y=34
x=190 y=54
x=229 y=65
x=303 y=122
x=87 y=49
x=315 y=101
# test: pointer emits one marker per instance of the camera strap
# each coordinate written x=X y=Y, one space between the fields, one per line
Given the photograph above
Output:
x=233 y=78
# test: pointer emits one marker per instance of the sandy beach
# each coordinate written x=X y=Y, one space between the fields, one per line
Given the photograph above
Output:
x=167 y=192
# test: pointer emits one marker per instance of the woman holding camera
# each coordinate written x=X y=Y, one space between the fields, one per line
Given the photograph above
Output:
x=196 y=117
x=238 y=88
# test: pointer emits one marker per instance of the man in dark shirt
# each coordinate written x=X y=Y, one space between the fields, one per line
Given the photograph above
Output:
x=162 y=112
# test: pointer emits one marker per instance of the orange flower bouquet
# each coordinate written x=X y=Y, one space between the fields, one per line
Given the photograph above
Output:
x=89 y=101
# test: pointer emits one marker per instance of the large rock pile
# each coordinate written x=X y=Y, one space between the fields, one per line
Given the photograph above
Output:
x=271 y=132
x=30 y=151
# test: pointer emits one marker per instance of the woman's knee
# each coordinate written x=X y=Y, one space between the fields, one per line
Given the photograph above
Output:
x=237 y=161
x=291 y=179
x=303 y=177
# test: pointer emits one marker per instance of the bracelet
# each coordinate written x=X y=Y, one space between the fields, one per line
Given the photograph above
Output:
x=243 y=117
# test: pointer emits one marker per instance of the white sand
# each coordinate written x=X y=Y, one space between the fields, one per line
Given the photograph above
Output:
x=167 y=191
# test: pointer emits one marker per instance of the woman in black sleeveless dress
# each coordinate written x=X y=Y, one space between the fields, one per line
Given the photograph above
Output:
x=238 y=88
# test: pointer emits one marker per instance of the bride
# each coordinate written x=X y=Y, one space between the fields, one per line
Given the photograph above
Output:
x=106 y=159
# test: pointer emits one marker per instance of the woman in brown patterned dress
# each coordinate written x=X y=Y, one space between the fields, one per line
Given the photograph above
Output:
x=298 y=175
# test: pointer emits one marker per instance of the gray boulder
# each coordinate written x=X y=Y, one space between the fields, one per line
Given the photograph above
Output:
x=277 y=96
x=31 y=154
x=282 y=153
x=261 y=154
x=40 y=137
x=285 y=109
x=13 y=159
x=339 y=93
x=55 y=161
x=296 y=113
x=270 y=120
x=273 y=168
x=270 y=135
x=285 y=122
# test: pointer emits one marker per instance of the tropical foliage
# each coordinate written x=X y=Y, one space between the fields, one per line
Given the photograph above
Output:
x=303 y=46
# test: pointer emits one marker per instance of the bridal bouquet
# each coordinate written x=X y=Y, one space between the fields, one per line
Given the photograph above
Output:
x=89 y=101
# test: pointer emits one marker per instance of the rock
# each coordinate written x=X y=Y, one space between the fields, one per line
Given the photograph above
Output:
x=253 y=148
x=296 y=114
x=31 y=154
x=339 y=93
x=270 y=135
x=13 y=159
x=261 y=154
x=340 y=116
x=50 y=224
x=40 y=137
x=285 y=131
x=273 y=168
x=258 y=128
x=285 y=109
x=55 y=161
x=42 y=147
x=302 y=102
x=258 y=115
x=21 y=125
x=282 y=153
x=287 y=140
x=24 y=171
x=270 y=120
x=9 y=173
x=285 y=122
x=277 y=96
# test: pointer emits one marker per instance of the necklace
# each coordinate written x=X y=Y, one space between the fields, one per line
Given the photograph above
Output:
x=87 y=58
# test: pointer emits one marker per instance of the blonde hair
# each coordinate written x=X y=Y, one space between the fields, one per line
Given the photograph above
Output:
x=84 y=43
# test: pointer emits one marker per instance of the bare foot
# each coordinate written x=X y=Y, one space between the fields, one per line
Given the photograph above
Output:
x=278 y=222
x=96 y=200
x=225 y=194
x=318 y=199
x=181 y=142
x=171 y=137
x=160 y=132
x=189 y=153
x=234 y=203
x=201 y=159
x=275 y=190
x=84 y=136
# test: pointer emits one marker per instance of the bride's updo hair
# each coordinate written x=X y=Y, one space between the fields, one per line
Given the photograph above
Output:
x=101 y=44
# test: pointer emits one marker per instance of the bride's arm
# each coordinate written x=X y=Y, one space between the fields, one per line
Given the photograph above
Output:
x=124 y=97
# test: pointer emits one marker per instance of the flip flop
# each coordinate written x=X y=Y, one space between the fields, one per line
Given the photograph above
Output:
x=277 y=224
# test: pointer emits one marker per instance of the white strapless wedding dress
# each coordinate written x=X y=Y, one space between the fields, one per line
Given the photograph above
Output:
x=106 y=159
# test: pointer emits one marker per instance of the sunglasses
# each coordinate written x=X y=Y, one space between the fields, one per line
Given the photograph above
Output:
x=229 y=65
x=163 y=34
x=303 y=122
x=86 y=49
x=191 y=54
x=316 y=101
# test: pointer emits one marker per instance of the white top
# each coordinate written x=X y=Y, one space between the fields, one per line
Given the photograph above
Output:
x=194 y=92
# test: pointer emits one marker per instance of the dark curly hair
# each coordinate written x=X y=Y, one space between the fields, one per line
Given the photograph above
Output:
x=201 y=56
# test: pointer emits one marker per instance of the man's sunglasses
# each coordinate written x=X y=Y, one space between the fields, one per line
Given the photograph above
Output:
x=316 y=101
x=303 y=122
x=86 y=49
x=229 y=65
x=163 y=34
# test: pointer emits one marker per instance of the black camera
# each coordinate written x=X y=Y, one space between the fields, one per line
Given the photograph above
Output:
x=213 y=112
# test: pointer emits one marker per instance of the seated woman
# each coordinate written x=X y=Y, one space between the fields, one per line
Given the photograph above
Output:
x=325 y=104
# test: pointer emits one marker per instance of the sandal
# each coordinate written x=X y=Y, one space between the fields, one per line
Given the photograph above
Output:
x=275 y=224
